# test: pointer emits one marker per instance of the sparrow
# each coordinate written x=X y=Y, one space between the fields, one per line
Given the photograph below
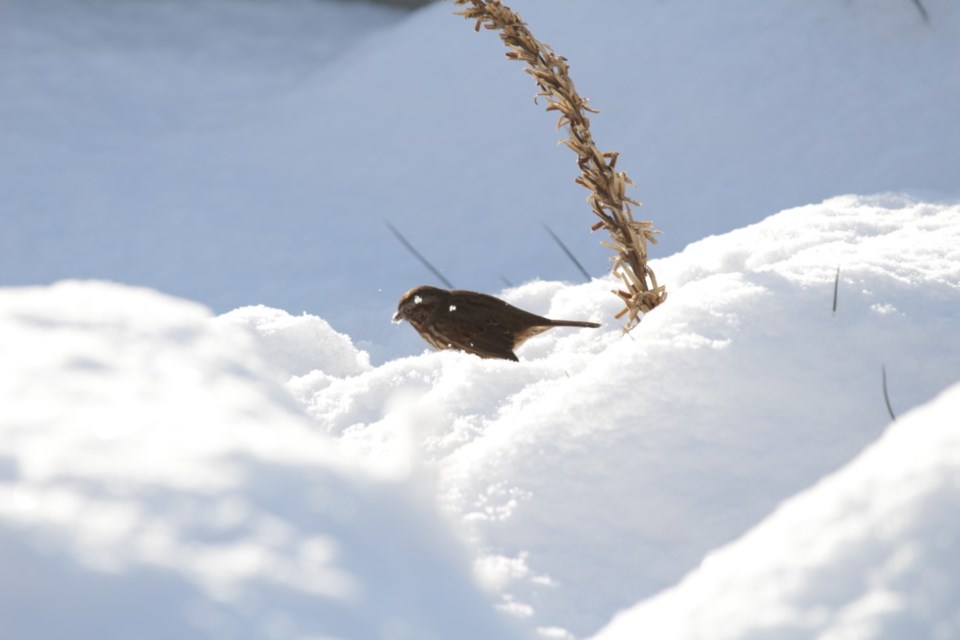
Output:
x=473 y=322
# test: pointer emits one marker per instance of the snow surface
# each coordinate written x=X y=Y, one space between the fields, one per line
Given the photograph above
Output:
x=869 y=552
x=238 y=152
x=256 y=460
x=167 y=473
x=156 y=482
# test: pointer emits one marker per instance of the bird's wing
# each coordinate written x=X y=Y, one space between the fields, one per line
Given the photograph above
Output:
x=475 y=332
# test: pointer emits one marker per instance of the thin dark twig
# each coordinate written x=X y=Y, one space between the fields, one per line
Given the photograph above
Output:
x=836 y=286
x=567 y=251
x=418 y=255
x=886 y=396
x=506 y=282
x=923 y=11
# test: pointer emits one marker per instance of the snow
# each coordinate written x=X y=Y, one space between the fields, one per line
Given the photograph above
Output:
x=158 y=483
x=192 y=466
x=241 y=152
x=210 y=429
x=298 y=345
x=741 y=391
x=869 y=552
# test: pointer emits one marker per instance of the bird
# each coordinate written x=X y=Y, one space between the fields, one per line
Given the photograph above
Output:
x=473 y=322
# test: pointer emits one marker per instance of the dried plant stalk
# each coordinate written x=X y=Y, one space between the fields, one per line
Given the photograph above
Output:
x=608 y=199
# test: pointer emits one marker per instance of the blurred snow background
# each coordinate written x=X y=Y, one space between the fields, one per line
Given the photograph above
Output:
x=243 y=152
x=232 y=467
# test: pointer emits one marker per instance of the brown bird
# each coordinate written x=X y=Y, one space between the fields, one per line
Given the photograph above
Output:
x=473 y=322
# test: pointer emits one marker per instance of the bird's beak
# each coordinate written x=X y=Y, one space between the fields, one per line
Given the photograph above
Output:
x=397 y=318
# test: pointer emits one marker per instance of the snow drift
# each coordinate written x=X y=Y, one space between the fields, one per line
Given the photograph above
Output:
x=869 y=552
x=155 y=482
x=169 y=473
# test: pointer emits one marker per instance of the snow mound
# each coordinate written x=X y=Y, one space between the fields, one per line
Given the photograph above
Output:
x=299 y=344
x=158 y=479
x=868 y=553
x=602 y=468
x=156 y=483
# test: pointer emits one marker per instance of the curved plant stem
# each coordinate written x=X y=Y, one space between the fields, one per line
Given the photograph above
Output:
x=640 y=292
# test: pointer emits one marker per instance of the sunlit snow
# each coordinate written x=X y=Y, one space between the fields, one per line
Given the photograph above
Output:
x=210 y=429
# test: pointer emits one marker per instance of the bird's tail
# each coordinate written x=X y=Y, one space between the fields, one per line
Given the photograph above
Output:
x=573 y=323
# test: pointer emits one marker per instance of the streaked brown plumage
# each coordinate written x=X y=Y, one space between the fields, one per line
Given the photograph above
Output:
x=473 y=322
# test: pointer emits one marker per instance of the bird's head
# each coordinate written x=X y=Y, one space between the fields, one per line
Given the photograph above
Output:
x=418 y=303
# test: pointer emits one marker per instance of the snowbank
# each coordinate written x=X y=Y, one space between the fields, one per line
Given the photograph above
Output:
x=242 y=152
x=869 y=552
x=168 y=474
x=297 y=345
x=602 y=468
x=156 y=483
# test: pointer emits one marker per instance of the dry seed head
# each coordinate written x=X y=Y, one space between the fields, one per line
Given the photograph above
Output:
x=608 y=187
